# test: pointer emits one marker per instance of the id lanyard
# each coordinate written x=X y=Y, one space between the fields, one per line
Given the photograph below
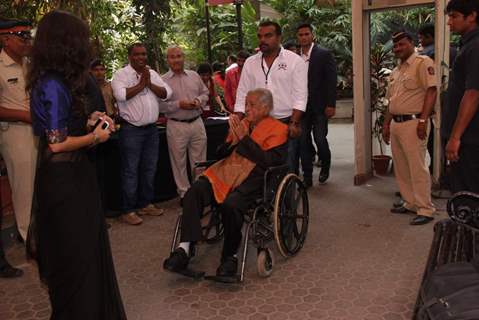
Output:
x=266 y=74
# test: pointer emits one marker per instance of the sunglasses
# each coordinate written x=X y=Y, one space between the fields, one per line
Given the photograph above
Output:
x=24 y=35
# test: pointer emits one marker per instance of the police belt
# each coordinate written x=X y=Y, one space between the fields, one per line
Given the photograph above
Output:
x=405 y=117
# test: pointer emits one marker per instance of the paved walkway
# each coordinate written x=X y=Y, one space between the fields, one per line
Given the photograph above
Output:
x=359 y=262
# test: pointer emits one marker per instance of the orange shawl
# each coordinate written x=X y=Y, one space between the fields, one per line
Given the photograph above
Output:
x=228 y=173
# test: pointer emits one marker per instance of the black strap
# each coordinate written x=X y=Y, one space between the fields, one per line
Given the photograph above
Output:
x=266 y=74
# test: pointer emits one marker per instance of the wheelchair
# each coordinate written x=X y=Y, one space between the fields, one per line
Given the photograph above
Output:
x=281 y=216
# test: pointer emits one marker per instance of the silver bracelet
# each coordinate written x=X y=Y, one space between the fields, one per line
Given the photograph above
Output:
x=95 y=138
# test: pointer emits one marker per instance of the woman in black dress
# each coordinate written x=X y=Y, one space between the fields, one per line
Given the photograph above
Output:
x=69 y=233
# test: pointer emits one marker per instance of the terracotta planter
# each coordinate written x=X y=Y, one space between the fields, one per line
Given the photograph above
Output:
x=381 y=164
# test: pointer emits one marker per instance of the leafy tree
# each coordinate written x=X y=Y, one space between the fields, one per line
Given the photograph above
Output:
x=114 y=24
x=332 y=24
x=156 y=15
x=189 y=29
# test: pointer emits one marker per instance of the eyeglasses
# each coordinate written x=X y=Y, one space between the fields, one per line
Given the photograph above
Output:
x=24 y=35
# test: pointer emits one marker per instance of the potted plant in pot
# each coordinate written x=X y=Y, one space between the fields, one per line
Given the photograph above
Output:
x=381 y=64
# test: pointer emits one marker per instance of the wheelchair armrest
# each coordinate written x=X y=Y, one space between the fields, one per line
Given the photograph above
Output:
x=204 y=164
x=281 y=170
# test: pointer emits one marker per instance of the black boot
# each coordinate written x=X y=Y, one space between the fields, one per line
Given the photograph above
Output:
x=228 y=267
x=177 y=261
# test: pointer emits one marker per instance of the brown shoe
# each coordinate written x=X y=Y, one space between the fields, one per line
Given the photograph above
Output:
x=151 y=210
x=131 y=218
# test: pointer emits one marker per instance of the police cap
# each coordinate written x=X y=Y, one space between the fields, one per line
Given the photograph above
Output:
x=9 y=25
x=398 y=35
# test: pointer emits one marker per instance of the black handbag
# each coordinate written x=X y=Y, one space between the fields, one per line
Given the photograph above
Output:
x=451 y=293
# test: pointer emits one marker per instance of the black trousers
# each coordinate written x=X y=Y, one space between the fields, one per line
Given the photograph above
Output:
x=232 y=210
x=318 y=124
x=465 y=172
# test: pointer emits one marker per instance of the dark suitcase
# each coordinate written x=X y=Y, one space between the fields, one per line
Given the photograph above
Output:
x=451 y=293
x=450 y=280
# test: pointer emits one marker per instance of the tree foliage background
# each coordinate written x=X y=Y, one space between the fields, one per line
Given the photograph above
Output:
x=333 y=28
x=116 y=23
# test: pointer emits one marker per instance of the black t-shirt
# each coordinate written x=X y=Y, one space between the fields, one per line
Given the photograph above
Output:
x=464 y=76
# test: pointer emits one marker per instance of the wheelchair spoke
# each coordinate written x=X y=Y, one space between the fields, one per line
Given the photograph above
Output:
x=294 y=205
x=293 y=216
x=296 y=231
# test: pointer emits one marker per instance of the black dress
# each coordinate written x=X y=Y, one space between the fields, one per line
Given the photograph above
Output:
x=69 y=231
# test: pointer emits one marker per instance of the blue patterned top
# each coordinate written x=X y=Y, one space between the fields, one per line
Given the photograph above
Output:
x=51 y=108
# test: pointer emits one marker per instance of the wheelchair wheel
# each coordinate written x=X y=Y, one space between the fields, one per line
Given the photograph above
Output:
x=211 y=226
x=265 y=262
x=291 y=215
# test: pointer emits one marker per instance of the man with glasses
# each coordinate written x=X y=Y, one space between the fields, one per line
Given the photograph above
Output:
x=17 y=143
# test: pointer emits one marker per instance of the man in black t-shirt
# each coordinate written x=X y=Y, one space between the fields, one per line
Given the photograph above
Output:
x=460 y=125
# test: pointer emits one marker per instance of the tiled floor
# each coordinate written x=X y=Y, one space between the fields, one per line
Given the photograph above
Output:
x=359 y=262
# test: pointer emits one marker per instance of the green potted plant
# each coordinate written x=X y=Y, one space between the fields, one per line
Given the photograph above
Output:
x=381 y=64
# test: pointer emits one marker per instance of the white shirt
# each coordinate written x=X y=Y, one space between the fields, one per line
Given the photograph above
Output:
x=287 y=80
x=143 y=108
x=307 y=56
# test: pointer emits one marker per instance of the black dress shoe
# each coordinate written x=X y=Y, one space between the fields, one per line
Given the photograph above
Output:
x=7 y=271
x=177 y=261
x=401 y=210
x=420 y=220
x=307 y=182
x=228 y=267
x=398 y=203
x=323 y=174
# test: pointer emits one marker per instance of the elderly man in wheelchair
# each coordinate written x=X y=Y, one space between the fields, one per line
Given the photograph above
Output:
x=234 y=183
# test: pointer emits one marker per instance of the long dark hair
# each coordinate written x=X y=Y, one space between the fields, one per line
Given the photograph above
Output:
x=62 y=46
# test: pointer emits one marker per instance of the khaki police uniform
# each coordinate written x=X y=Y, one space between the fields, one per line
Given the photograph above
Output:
x=406 y=92
x=18 y=145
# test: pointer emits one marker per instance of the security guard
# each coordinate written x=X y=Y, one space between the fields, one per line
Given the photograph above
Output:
x=412 y=94
x=460 y=114
x=17 y=143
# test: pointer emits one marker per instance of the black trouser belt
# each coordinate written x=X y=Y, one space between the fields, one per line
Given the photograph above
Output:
x=185 y=120
x=405 y=117
x=123 y=121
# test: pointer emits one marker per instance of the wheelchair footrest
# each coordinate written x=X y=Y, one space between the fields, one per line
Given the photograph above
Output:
x=224 y=279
